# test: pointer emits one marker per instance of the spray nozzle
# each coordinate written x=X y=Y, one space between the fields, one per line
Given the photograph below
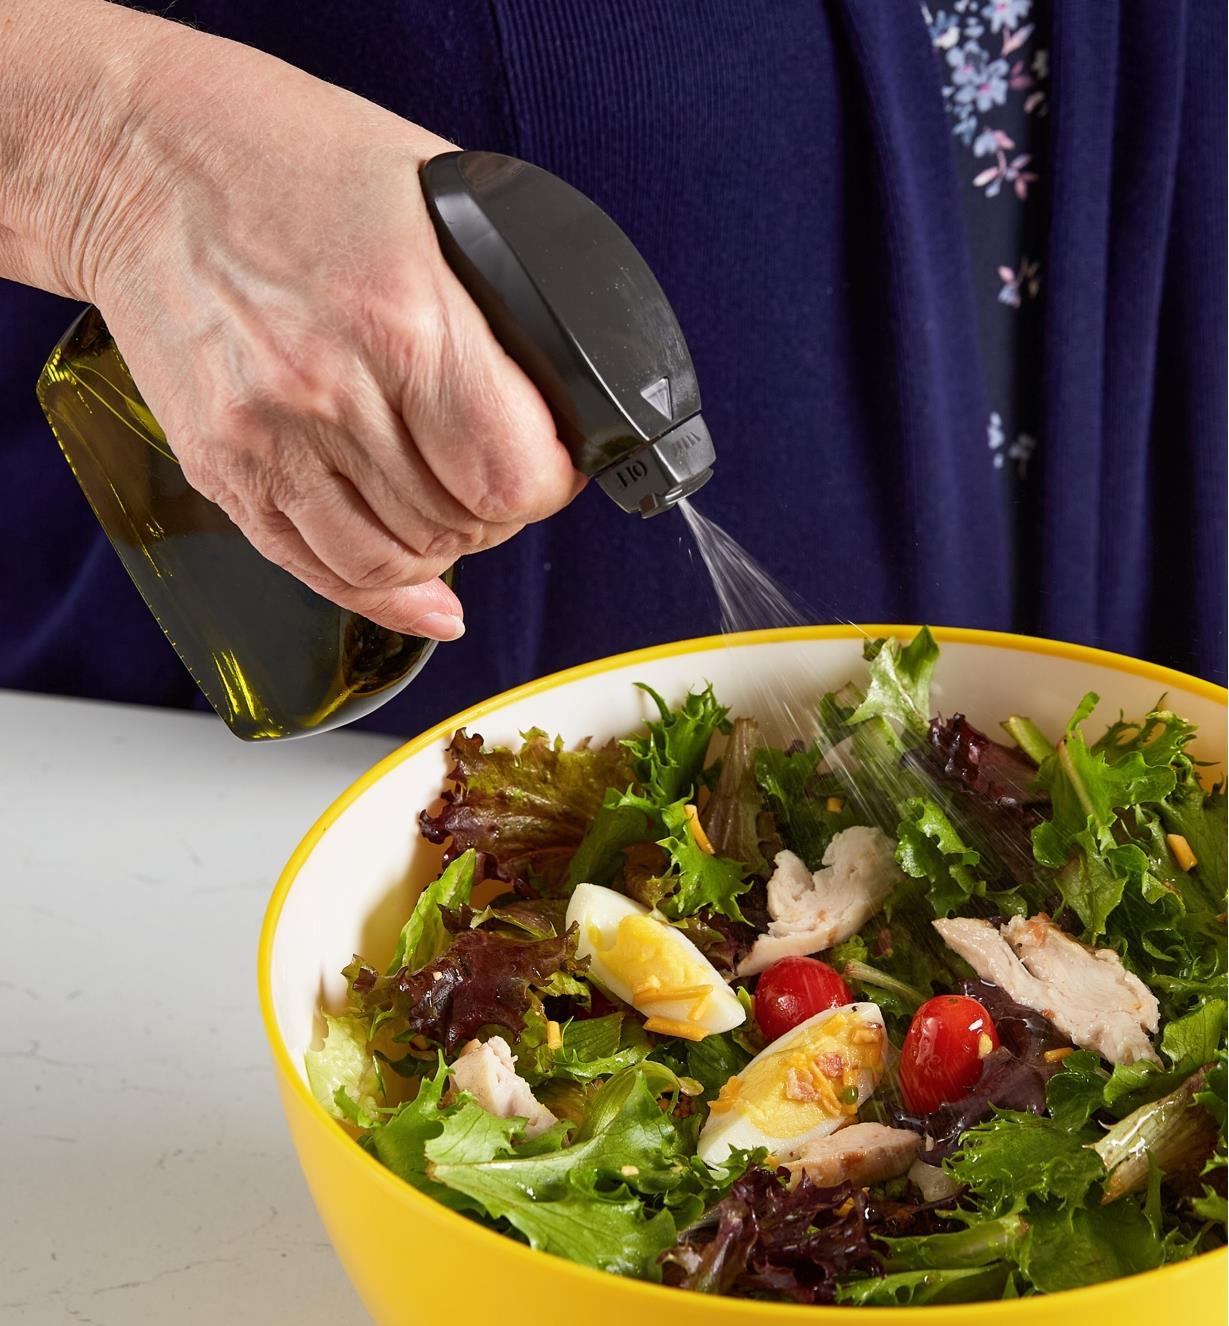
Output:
x=655 y=477
x=573 y=302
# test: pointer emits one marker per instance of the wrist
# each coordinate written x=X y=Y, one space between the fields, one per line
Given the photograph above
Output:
x=74 y=116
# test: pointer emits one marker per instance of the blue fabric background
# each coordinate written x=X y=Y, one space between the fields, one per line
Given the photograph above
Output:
x=786 y=169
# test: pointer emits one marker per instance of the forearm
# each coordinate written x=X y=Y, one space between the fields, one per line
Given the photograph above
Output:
x=73 y=100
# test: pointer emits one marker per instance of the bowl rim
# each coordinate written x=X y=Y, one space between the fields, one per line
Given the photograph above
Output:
x=1025 y=1309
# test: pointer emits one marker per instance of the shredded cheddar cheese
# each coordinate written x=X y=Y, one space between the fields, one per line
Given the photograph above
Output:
x=697 y=830
x=554 y=1037
x=1181 y=849
x=686 y=1031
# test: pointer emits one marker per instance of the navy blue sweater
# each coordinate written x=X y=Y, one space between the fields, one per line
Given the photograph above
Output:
x=787 y=169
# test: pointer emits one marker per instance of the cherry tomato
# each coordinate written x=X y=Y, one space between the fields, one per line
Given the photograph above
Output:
x=794 y=989
x=944 y=1046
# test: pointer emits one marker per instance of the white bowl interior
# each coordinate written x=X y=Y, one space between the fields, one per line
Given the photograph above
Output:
x=357 y=886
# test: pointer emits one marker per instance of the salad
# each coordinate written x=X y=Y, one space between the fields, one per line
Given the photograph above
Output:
x=902 y=1013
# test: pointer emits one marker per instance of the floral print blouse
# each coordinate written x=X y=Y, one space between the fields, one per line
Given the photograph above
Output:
x=994 y=70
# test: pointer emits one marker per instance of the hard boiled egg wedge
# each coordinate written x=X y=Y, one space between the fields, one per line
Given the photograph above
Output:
x=806 y=1084
x=651 y=965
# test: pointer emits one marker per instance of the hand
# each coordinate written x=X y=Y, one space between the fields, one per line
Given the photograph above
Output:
x=265 y=261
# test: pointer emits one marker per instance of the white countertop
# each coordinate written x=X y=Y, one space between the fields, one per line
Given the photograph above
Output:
x=146 y=1175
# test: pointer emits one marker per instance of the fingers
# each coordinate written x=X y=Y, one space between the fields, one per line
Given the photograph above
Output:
x=478 y=422
x=431 y=609
x=337 y=524
x=428 y=609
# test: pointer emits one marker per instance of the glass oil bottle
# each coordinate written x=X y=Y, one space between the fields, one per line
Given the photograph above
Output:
x=272 y=656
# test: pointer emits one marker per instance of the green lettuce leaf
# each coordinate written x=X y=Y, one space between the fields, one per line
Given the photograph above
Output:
x=1069 y=1247
x=701 y=879
x=622 y=819
x=930 y=849
x=899 y=687
x=423 y=937
x=914 y=1288
x=667 y=762
x=343 y=1073
x=398 y=1142
x=669 y=758
x=1017 y=1158
x=591 y=1048
x=798 y=797
x=1077 y=1091
x=714 y=1060
x=1188 y=1043
x=1201 y=818
x=982 y=1243
x=1214 y=1097
x=1087 y=788
x=591 y=1200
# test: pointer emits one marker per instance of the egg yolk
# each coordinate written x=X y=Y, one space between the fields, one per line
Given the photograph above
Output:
x=656 y=970
x=820 y=1074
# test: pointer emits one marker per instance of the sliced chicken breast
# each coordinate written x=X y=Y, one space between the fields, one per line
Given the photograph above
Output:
x=811 y=912
x=1088 y=995
x=487 y=1070
x=861 y=1154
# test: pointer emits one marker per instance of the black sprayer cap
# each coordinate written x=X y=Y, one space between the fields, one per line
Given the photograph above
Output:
x=576 y=306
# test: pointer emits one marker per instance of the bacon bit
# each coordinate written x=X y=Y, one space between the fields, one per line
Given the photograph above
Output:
x=807 y=1078
x=686 y=1031
x=831 y=1065
x=554 y=1037
x=697 y=830
x=1186 y=859
x=836 y=805
x=800 y=1086
x=1057 y=1056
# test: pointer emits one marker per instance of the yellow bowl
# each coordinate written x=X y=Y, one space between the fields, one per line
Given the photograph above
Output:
x=352 y=880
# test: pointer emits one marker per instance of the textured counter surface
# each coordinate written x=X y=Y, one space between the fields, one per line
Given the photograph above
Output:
x=145 y=1171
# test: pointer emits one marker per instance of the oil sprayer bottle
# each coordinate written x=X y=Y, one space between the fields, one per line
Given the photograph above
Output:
x=571 y=301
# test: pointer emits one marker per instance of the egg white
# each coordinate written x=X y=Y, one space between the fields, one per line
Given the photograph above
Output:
x=735 y=1128
x=598 y=913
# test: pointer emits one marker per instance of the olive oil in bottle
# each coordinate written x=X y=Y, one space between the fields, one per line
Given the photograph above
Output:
x=272 y=656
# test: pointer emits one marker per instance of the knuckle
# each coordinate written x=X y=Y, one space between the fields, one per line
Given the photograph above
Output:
x=508 y=494
x=443 y=547
x=276 y=538
x=388 y=572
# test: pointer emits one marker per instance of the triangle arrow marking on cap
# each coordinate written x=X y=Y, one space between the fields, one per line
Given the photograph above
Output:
x=658 y=396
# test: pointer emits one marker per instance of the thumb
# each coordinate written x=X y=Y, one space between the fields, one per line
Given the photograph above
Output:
x=431 y=609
